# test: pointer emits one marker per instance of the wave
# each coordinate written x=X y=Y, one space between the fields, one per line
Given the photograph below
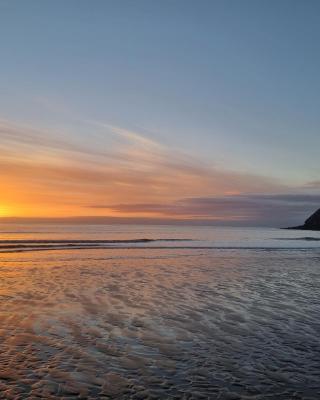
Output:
x=20 y=249
x=24 y=245
x=305 y=238
x=46 y=244
x=95 y=241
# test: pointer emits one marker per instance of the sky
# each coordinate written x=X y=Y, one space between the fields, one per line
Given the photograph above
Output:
x=201 y=111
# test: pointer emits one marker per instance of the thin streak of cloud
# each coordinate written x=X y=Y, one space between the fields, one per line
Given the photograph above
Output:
x=128 y=135
x=137 y=170
x=273 y=210
x=313 y=185
x=18 y=139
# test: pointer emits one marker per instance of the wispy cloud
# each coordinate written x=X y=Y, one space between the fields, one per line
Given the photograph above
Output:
x=138 y=175
x=131 y=136
x=25 y=140
x=273 y=210
x=313 y=185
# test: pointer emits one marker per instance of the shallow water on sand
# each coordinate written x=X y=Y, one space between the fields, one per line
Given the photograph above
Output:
x=147 y=323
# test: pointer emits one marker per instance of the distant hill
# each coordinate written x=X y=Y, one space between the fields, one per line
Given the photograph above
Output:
x=311 y=224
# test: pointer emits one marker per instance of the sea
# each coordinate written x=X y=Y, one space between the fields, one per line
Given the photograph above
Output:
x=159 y=312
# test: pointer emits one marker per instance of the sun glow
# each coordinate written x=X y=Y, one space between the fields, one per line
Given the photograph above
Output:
x=4 y=211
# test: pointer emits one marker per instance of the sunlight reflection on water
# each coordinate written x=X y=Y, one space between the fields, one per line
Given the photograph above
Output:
x=166 y=323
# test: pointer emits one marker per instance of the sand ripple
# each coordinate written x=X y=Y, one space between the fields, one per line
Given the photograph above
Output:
x=135 y=324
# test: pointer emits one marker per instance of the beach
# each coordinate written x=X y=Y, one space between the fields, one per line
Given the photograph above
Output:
x=159 y=202
x=148 y=323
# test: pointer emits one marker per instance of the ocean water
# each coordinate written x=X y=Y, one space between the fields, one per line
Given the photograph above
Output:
x=159 y=312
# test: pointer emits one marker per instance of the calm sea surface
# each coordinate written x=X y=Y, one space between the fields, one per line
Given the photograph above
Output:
x=159 y=312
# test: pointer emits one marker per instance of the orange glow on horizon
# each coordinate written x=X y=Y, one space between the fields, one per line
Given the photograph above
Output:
x=4 y=211
x=43 y=176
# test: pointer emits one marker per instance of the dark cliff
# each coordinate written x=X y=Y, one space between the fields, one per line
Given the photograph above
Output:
x=312 y=223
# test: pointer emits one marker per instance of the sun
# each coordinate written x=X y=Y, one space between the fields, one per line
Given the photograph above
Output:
x=4 y=211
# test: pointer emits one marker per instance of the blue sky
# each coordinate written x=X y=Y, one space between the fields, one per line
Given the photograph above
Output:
x=232 y=84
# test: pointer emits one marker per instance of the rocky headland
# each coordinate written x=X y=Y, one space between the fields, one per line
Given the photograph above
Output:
x=311 y=224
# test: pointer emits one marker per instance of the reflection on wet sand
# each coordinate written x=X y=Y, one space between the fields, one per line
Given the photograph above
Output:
x=151 y=324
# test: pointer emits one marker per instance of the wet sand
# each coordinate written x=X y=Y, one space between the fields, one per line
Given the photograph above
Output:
x=160 y=324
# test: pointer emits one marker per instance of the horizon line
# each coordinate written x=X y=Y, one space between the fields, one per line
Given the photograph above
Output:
x=105 y=220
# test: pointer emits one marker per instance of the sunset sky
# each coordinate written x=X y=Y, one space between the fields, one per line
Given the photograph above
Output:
x=205 y=111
